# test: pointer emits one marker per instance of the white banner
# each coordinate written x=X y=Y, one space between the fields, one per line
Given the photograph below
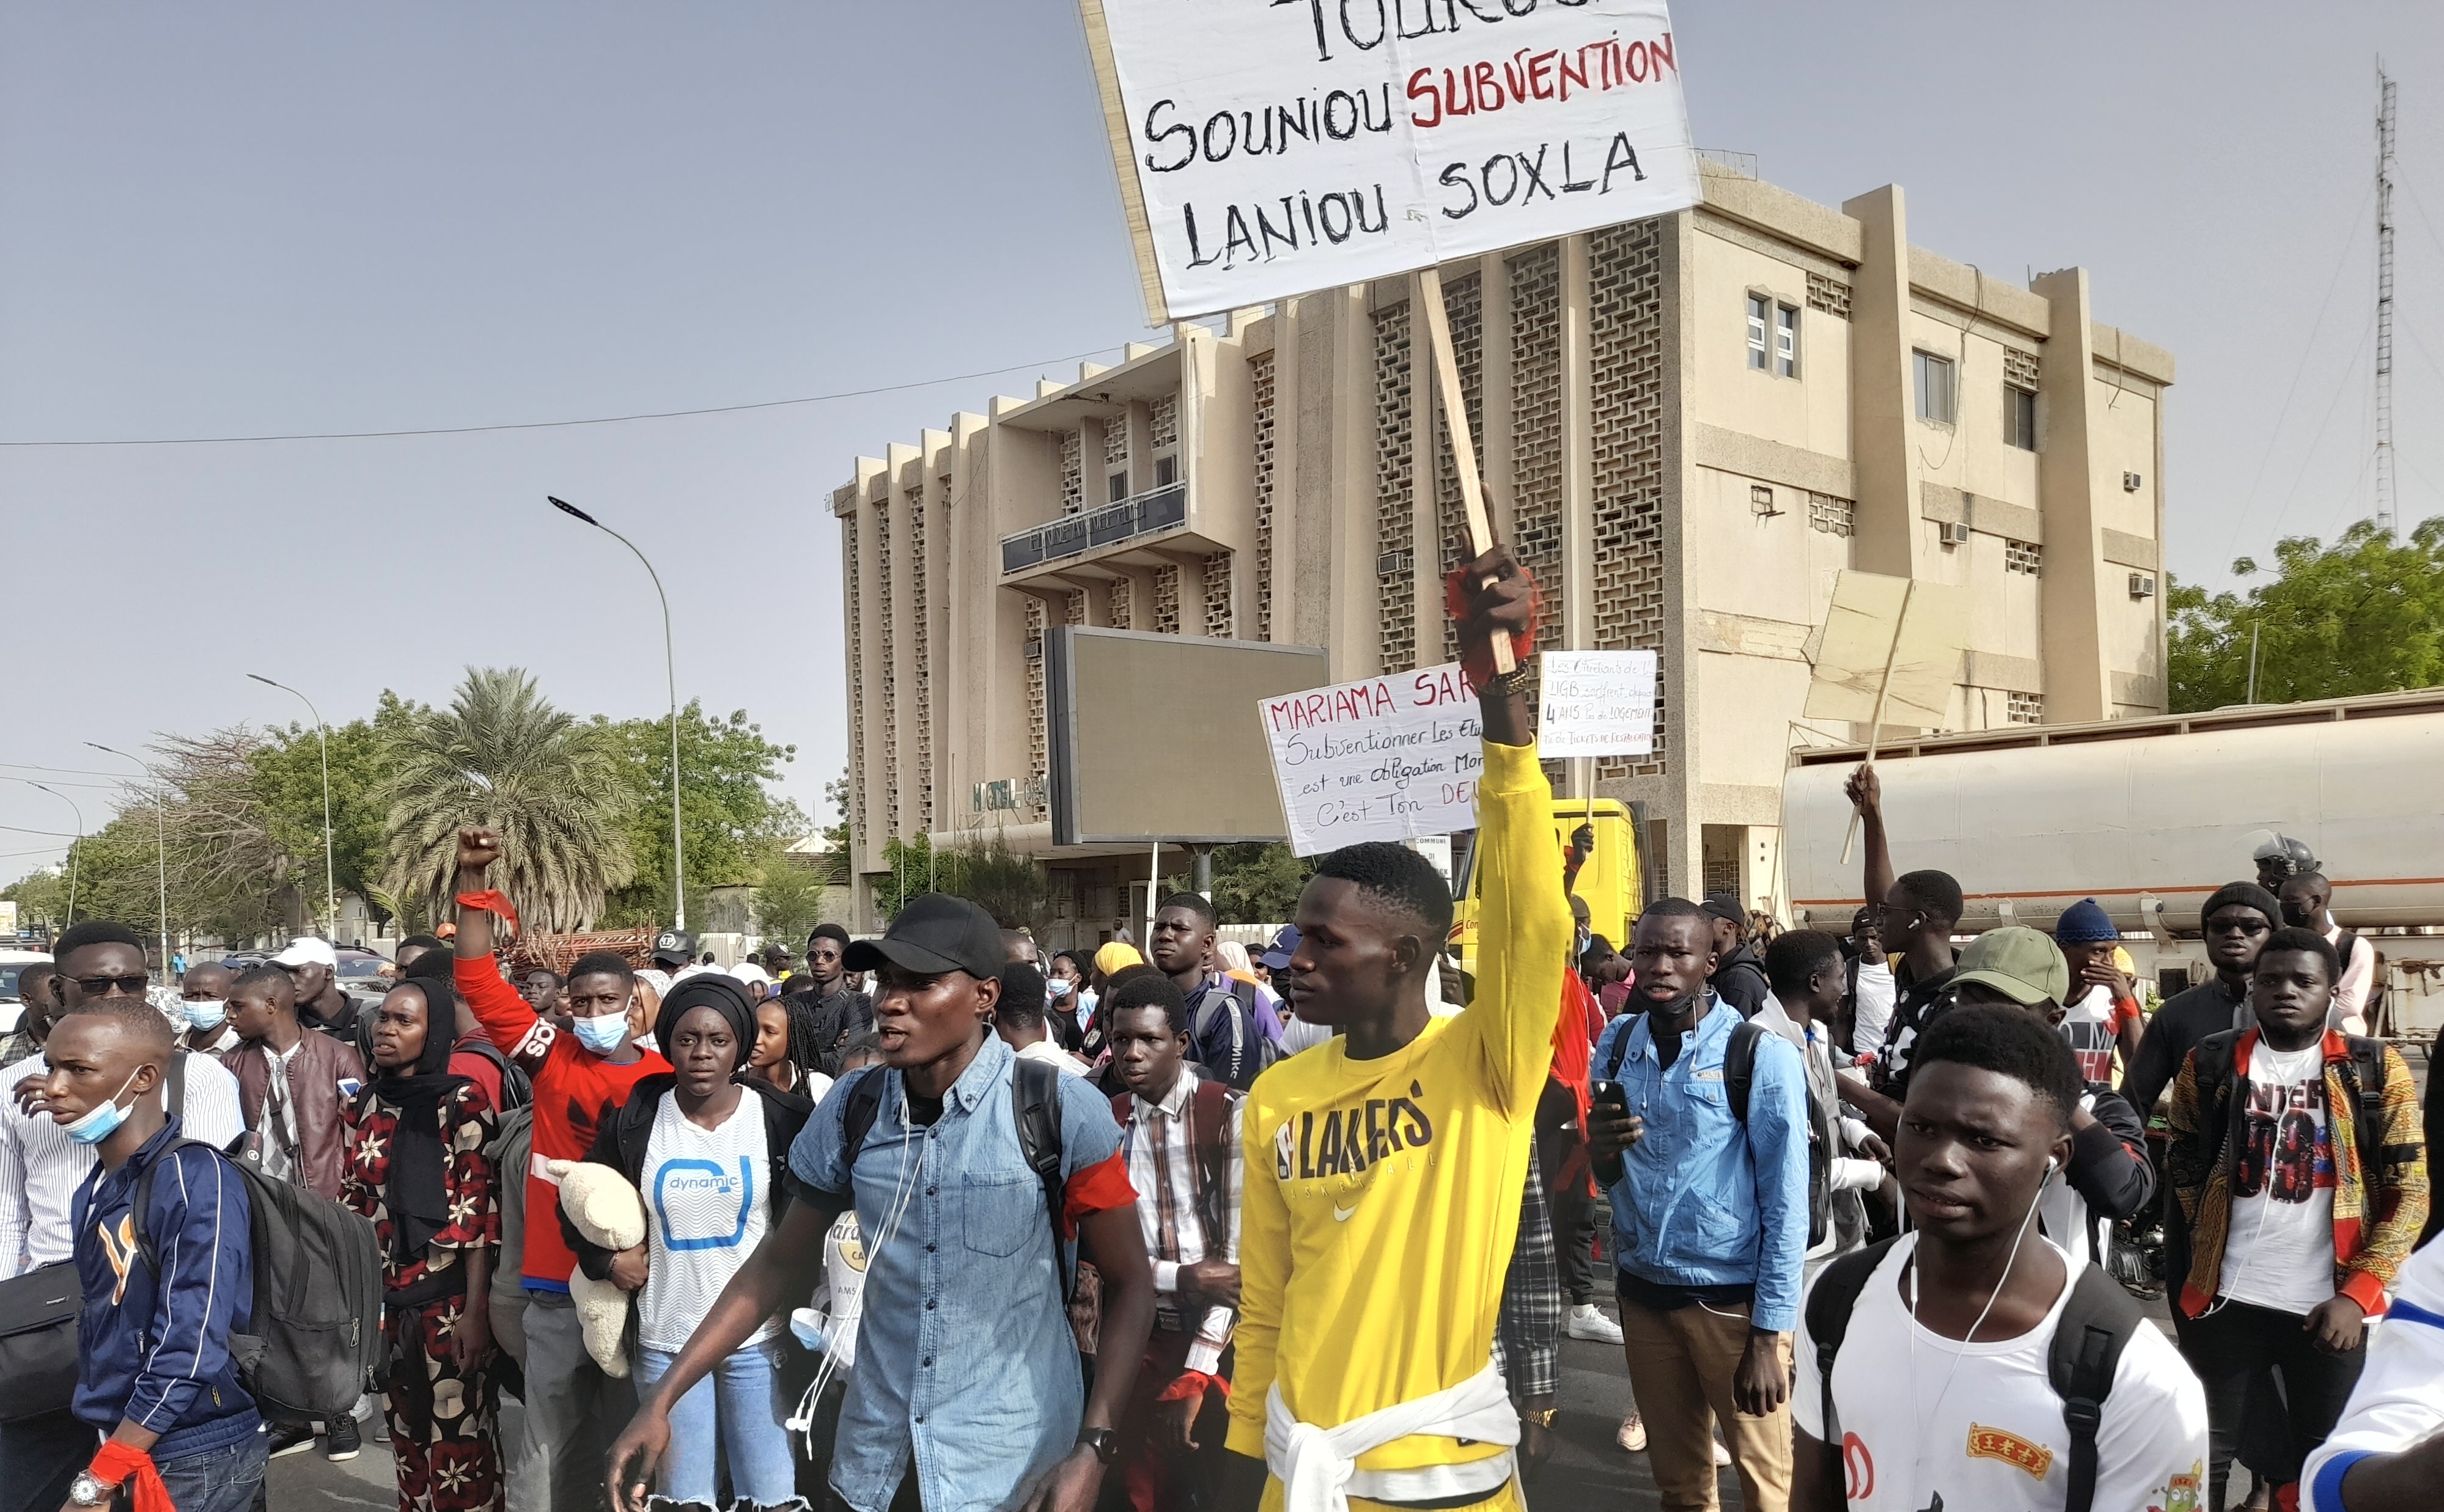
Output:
x=1386 y=759
x=1597 y=703
x=1276 y=147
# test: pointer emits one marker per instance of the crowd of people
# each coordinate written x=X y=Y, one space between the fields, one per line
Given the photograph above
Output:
x=932 y=1221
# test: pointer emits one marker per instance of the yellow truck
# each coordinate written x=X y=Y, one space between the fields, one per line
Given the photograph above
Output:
x=1612 y=881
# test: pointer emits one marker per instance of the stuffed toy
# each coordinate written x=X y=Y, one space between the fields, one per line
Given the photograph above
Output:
x=606 y=1211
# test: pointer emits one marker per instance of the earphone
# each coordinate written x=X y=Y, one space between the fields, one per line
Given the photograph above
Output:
x=802 y=1420
x=2000 y=1281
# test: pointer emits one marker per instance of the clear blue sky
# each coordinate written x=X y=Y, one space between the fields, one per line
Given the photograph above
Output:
x=245 y=219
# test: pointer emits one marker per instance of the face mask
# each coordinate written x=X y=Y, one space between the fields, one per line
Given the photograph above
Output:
x=101 y=1122
x=1059 y=987
x=806 y=1326
x=603 y=1032
x=205 y=1013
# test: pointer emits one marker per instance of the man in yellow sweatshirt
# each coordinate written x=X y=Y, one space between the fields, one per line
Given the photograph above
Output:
x=1383 y=1167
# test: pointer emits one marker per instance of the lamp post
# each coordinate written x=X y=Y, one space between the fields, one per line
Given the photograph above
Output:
x=73 y=858
x=161 y=843
x=670 y=670
x=330 y=887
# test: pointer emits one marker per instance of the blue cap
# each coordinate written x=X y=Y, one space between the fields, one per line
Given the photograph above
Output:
x=2085 y=923
x=1277 y=955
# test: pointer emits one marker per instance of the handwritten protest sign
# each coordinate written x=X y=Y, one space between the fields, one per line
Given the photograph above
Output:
x=1266 y=150
x=1597 y=703
x=1385 y=759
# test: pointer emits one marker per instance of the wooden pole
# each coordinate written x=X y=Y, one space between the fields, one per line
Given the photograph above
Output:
x=1463 y=439
x=1883 y=686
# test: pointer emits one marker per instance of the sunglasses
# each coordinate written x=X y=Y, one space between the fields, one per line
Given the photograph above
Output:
x=100 y=987
x=2239 y=927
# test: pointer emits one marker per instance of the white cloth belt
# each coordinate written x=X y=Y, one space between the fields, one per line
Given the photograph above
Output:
x=1317 y=1467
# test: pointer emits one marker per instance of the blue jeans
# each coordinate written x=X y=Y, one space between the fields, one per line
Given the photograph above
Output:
x=741 y=1402
x=221 y=1480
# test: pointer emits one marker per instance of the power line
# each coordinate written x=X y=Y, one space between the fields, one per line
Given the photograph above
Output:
x=2308 y=458
x=2300 y=368
x=60 y=834
x=67 y=771
x=553 y=425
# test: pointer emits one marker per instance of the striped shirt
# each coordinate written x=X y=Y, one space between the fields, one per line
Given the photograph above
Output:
x=1159 y=1144
x=41 y=1167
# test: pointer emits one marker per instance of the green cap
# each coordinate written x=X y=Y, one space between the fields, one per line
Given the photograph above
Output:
x=2019 y=963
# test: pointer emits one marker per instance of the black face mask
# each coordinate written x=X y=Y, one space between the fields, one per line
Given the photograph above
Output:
x=1663 y=1013
x=2299 y=916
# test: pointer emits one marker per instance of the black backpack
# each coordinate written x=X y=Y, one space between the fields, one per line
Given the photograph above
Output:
x=2216 y=1058
x=1251 y=1050
x=517 y=1088
x=1739 y=1074
x=1035 y=1102
x=2095 y=1325
x=317 y=1336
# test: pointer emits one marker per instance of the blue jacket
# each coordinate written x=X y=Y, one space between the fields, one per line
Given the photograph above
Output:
x=156 y=1350
x=1702 y=1202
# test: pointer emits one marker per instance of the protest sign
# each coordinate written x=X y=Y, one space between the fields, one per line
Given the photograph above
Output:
x=1383 y=758
x=1267 y=150
x=1890 y=652
x=1597 y=703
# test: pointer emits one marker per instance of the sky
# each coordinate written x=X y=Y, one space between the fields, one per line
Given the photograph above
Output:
x=278 y=219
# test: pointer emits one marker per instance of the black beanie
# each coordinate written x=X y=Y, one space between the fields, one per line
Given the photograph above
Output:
x=2248 y=895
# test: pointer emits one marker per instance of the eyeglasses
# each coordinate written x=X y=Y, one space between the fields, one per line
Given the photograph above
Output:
x=100 y=987
x=2239 y=927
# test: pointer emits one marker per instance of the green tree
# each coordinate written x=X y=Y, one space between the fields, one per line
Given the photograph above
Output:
x=501 y=755
x=1013 y=888
x=1257 y=883
x=288 y=781
x=42 y=898
x=731 y=817
x=788 y=901
x=2362 y=615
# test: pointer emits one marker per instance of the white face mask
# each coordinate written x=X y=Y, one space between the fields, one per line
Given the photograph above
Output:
x=1059 y=987
x=205 y=1013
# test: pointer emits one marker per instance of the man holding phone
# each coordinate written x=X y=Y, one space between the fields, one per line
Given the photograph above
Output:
x=1698 y=1131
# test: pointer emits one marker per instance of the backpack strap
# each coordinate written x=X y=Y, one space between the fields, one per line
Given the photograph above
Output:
x=2096 y=1323
x=144 y=1201
x=1035 y=1100
x=1830 y=1301
x=857 y=1118
x=177 y=1101
x=2368 y=1058
x=1209 y=1140
x=1739 y=1066
x=1620 y=1049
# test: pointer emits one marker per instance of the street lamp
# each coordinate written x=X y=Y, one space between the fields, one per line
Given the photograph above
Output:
x=73 y=858
x=670 y=670
x=330 y=888
x=161 y=840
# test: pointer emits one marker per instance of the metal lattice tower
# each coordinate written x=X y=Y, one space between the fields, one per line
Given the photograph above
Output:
x=2384 y=90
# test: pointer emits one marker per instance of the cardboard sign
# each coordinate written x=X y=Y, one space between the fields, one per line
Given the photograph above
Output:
x=1866 y=629
x=1272 y=149
x=1597 y=703
x=1385 y=759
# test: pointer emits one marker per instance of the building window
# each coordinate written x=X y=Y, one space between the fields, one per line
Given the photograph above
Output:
x=2023 y=556
x=1835 y=517
x=2025 y=709
x=1760 y=312
x=1934 y=389
x=1166 y=471
x=2019 y=417
x=1116 y=487
x=1786 y=340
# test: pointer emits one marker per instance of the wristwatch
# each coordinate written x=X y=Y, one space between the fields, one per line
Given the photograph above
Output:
x=1105 y=1443
x=86 y=1491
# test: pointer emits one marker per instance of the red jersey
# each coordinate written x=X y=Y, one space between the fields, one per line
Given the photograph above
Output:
x=572 y=1087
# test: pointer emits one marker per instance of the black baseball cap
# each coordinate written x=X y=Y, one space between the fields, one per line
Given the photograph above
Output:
x=1721 y=906
x=674 y=948
x=934 y=934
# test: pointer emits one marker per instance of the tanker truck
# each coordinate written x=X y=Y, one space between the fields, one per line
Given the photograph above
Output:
x=2149 y=817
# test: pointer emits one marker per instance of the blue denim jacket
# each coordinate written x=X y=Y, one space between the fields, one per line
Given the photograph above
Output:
x=1700 y=1203
x=964 y=1354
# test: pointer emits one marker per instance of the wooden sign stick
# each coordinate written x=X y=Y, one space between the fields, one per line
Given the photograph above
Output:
x=1463 y=440
x=1883 y=686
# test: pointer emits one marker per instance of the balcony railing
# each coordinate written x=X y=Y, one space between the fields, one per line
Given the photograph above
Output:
x=1155 y=509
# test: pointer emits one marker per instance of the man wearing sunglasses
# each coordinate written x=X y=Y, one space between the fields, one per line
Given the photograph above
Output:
x=2236 y=921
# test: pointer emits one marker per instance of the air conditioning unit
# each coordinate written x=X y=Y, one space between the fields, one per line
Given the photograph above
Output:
x=2142 y=585
x=2131 y=482
x=1952 y=532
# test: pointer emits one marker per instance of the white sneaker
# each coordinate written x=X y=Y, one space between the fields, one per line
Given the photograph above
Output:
x=1588 y=1323
x=1722 y=1455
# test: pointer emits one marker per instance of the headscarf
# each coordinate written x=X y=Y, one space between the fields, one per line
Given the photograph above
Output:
x=1114 y=955
x=725 y=995
x=416 y=1193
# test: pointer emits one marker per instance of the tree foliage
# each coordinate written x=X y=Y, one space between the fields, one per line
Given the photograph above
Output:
x=730 y=821
x=788 y=901
x=1257 y=883
x=2362 y=615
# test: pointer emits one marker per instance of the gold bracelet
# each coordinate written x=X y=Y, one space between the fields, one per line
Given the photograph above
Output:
x=1543 y=1418
x=1513 y=683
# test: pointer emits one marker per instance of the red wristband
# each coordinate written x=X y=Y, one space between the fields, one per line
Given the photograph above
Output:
x=116 y=1464
x=1193 y=1384
x=492 y=900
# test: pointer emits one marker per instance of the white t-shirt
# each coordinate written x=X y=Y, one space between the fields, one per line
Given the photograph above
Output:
x=1993 y=1437
x=841 y=1296
x=705 y=1208
x=2279 y=1251
x=2087 y=1023
x=1873 y=1005
x=1299 y=1034
x=2065 y=1216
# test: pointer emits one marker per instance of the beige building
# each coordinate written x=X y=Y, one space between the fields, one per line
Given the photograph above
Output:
x=1688 y=425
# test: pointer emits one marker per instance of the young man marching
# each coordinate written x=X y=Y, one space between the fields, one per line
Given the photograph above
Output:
x=1384 y=1166
x=1940 y=1391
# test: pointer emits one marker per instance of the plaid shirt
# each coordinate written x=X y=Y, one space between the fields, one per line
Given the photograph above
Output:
x=1528 y=1330
x=1158 y=1142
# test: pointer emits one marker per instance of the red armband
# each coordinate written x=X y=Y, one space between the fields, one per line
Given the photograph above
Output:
x=492 y=900
x=1192 y=1384
x=116 y=1464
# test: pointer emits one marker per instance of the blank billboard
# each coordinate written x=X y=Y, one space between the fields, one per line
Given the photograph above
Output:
x=1156 y=737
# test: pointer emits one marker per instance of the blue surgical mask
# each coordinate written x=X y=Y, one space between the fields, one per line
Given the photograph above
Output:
x=101 y=1122
x=1059 y=987
x=603 y=1033
x=206 y=1013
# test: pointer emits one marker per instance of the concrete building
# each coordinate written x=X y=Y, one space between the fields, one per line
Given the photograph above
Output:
x=1688 y=425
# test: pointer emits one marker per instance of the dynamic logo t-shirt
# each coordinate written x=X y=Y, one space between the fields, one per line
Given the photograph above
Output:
x=707 y=1205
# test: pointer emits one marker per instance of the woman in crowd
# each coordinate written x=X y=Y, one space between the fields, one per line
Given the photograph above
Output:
x=1070 y=1003
x=698 y=1232
x=418 y=1169
x=774 y=1061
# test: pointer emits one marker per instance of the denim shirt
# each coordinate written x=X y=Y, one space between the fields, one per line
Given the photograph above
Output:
x=1701 y=1202
x=964 y=1353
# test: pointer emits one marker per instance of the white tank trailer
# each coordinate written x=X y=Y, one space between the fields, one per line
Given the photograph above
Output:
x=2149 y=817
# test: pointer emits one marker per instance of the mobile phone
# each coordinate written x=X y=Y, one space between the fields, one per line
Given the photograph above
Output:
x=1609 y=1096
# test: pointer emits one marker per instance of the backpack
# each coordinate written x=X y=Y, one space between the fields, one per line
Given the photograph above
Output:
x=2216 y=1060
x=517 y=1088
x=1035 y=1103
x=317 y=1295
x=2096 y=1323
x=1209 y=1139
x=1250 y=1051
x=1739 y=1074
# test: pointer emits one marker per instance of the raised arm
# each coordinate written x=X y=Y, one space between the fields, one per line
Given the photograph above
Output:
x=507 y=1021
x=1868 y=791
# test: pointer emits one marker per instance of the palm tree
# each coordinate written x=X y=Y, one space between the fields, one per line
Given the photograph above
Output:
x=502 y=756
